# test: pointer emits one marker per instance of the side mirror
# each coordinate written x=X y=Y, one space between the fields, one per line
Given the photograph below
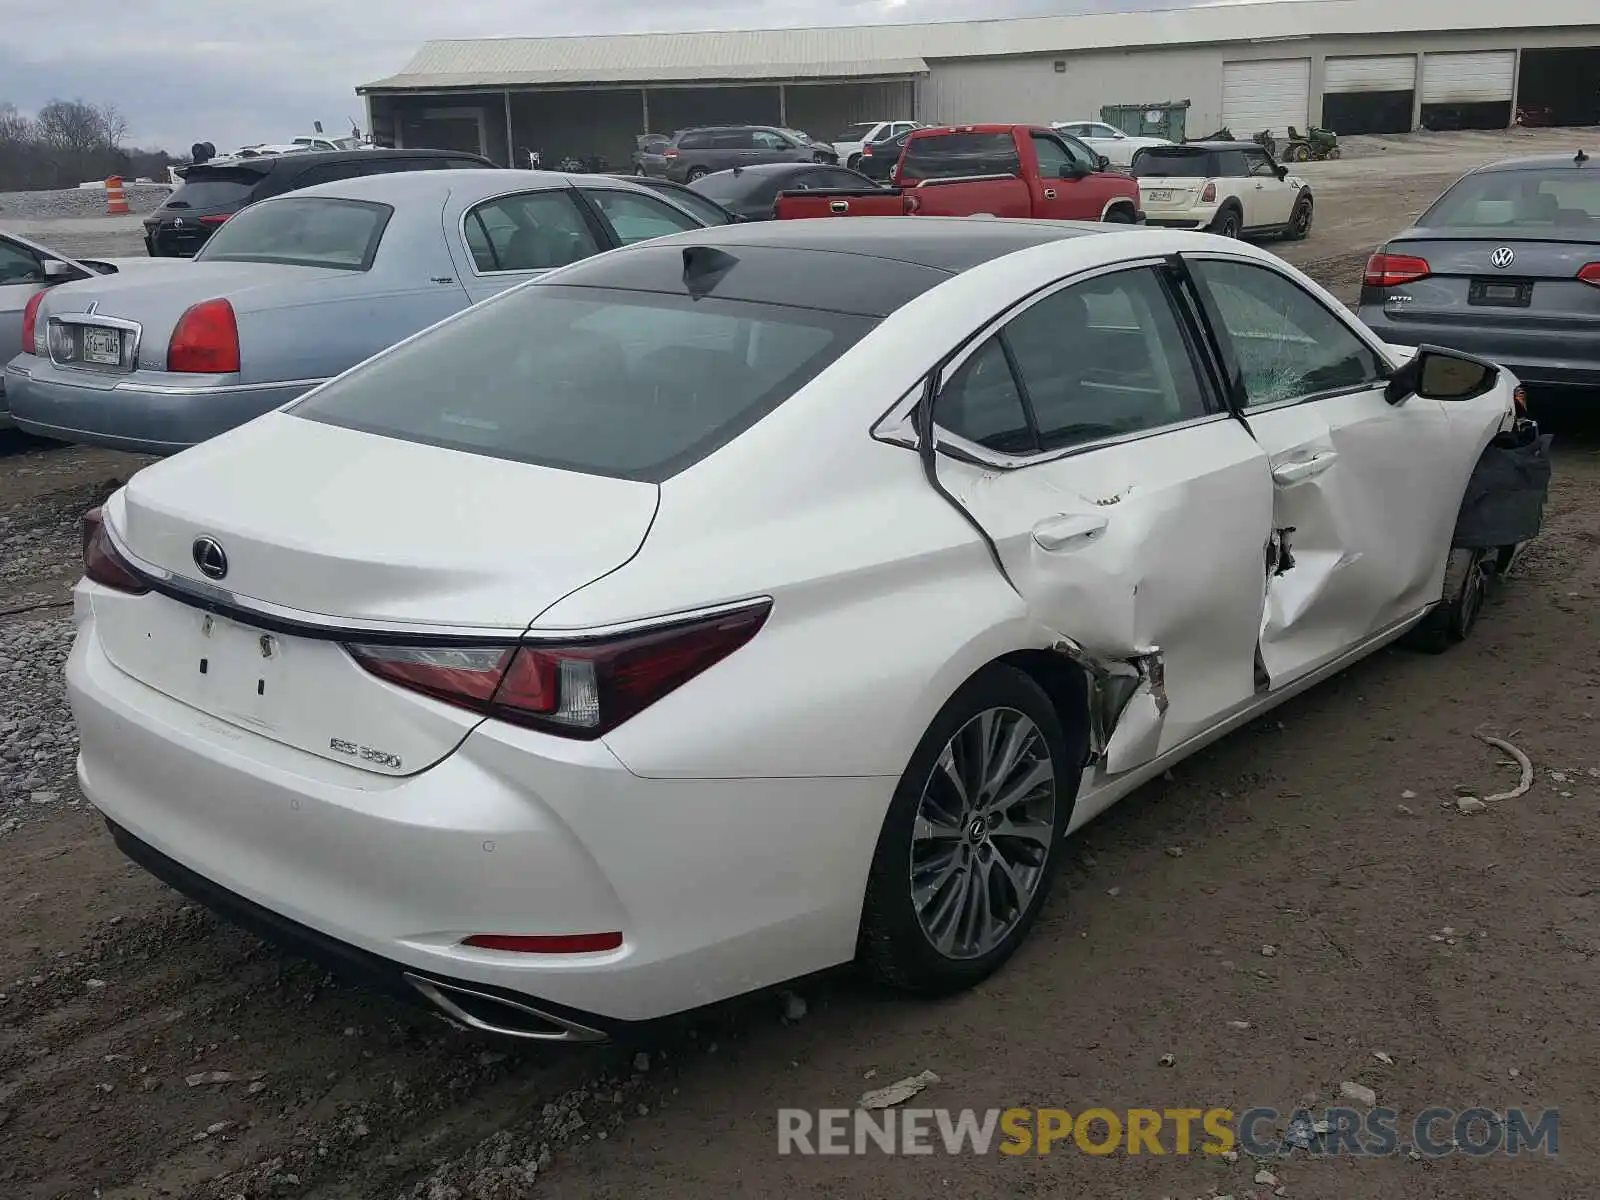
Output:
x=1071 y=170
x=1103 y=160
x=1282 y=172
x=55 y=269
x=1438 y=374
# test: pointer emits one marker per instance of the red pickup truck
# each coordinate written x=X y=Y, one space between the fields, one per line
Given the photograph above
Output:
x=985 y=170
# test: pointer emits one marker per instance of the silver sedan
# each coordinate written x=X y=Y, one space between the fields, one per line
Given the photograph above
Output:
x=297 y=289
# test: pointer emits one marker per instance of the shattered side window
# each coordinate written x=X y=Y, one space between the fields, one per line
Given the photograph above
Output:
x=1288 y=344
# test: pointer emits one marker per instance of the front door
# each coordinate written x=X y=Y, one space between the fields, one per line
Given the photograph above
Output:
x=1268 y=200
x=1128 y=509
x=1360 y=531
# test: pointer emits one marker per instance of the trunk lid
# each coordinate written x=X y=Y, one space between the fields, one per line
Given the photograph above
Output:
x=157 y=298
x=1495 y=279
x=345 y=527
x=1158 y=193
x=840 y=203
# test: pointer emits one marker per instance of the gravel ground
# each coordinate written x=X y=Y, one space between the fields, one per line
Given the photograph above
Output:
x=76 y=202
x=148 y=1050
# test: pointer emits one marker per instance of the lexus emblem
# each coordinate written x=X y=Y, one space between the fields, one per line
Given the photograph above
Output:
x=1502 y=257
x=209 y=557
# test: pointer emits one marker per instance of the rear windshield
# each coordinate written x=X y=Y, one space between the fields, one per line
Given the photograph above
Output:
x=949 y=155
x=632 y=385
x=216 y=188
x=1559 y=201
x=1174 y=164
x=726 y=187
x=303 y=231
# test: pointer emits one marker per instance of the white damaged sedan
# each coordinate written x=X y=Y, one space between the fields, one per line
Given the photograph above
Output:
x=739 y=604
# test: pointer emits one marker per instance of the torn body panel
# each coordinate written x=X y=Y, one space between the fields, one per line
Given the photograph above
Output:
x=1365 y=494
x=1142 y=561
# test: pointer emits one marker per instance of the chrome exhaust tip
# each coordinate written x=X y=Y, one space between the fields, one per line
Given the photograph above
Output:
x=468 y=1008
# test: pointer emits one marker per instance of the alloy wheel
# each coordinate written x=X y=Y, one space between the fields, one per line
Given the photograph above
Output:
x=983 y=833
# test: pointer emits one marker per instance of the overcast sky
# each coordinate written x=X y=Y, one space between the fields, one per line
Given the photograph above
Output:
x=232 y=73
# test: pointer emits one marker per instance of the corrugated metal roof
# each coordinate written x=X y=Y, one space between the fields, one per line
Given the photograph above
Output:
x=897 y=49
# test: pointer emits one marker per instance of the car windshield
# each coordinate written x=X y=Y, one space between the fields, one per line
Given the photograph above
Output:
x=1561 y=201
x=626 y=384
x=1173 y=164
x=302 y=231
x=213 y=188
x=856 y=133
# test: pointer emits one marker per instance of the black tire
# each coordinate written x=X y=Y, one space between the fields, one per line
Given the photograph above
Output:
x=1300 y=220
x=1467 y=578
x=894 y=946
x=696 y=173
x=1120 y=215
x=1227 y=223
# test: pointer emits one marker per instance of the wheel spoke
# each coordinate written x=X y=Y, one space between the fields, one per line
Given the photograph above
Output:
x=1018 y=738
x=1036 y=833
x=1040 y=774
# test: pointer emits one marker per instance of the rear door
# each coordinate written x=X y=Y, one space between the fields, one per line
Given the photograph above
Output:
x=1130 y=510
x=509 y=239
x=1361 y=526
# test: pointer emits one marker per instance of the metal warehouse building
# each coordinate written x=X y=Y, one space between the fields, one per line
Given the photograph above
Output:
x=1356 y=66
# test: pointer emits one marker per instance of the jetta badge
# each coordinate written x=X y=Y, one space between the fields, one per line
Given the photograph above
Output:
x=1502 y=257
x=209 y=557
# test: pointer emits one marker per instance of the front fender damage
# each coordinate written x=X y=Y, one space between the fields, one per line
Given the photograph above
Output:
x=1127 y=703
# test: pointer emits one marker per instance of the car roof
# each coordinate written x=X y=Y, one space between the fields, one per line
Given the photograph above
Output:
x=866 y=266
x=403 y=186
x=1217 y=145
x=778 y=168
x=1540 y=162
x=298 y=160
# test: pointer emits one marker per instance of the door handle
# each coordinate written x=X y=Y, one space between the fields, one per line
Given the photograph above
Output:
x=839 y=206
x=1049 y=193
x=1069 y=530
x=1299 y=472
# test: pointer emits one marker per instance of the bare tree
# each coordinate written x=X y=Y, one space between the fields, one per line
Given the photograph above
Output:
x=113 y=124
x=69 y=141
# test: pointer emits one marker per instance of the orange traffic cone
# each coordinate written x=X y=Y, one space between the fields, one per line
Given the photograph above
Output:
x=116 y=199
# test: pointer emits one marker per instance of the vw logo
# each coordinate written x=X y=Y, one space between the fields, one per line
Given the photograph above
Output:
x=209 y=557
x=1502 y=257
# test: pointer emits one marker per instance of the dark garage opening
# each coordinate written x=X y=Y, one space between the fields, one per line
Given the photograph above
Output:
x=1484 y=114
x=1566 y=82
x=1368 y=112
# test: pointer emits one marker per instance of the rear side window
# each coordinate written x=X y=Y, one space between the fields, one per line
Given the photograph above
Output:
x=532 y=231
x=626 y=384
x=635 y=218
x=214 y=188
x=694 y=141
x=1564 y=201
x=1170 y=164
x=302 y=231
x=950 y=155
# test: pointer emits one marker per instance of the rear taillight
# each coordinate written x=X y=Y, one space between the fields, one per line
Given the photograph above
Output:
x=578 y=689
x=1589 y=274
x=30 y=323
x=102 y=563
x=206 y=340
x=1391 y=270
x=866 y=151
x=1208 y=194
x=669 y=154
x=217 y=220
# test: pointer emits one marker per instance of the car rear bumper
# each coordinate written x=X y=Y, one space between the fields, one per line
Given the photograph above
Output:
x=1551 y=360
x=718 y=887
x=1176 y=222
x=146 y=412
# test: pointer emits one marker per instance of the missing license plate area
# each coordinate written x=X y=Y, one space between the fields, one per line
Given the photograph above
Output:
x=1500 y=293
x=102 y=347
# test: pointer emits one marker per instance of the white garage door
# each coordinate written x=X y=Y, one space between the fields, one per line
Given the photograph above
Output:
x=1382 y=73
x=1270 y=94
x=1468 y=78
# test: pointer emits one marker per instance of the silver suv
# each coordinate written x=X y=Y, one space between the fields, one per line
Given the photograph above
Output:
x=697 y=152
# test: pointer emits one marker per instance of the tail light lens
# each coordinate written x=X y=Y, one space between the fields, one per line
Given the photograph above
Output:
x=669 y=154
x=206 y=340
x=30 y=323
x=214 y=221
x=866 y=151
x=1590 y=274
x=102 y=563
x=1386 y=270
x=1208 y=194
x=581 y=689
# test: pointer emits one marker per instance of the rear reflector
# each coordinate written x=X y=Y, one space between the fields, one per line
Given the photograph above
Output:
x=1590 y=274
x=553 y=943
x=1392 y=270
x=101 y=562
x=579 y=689
x=214 y=220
